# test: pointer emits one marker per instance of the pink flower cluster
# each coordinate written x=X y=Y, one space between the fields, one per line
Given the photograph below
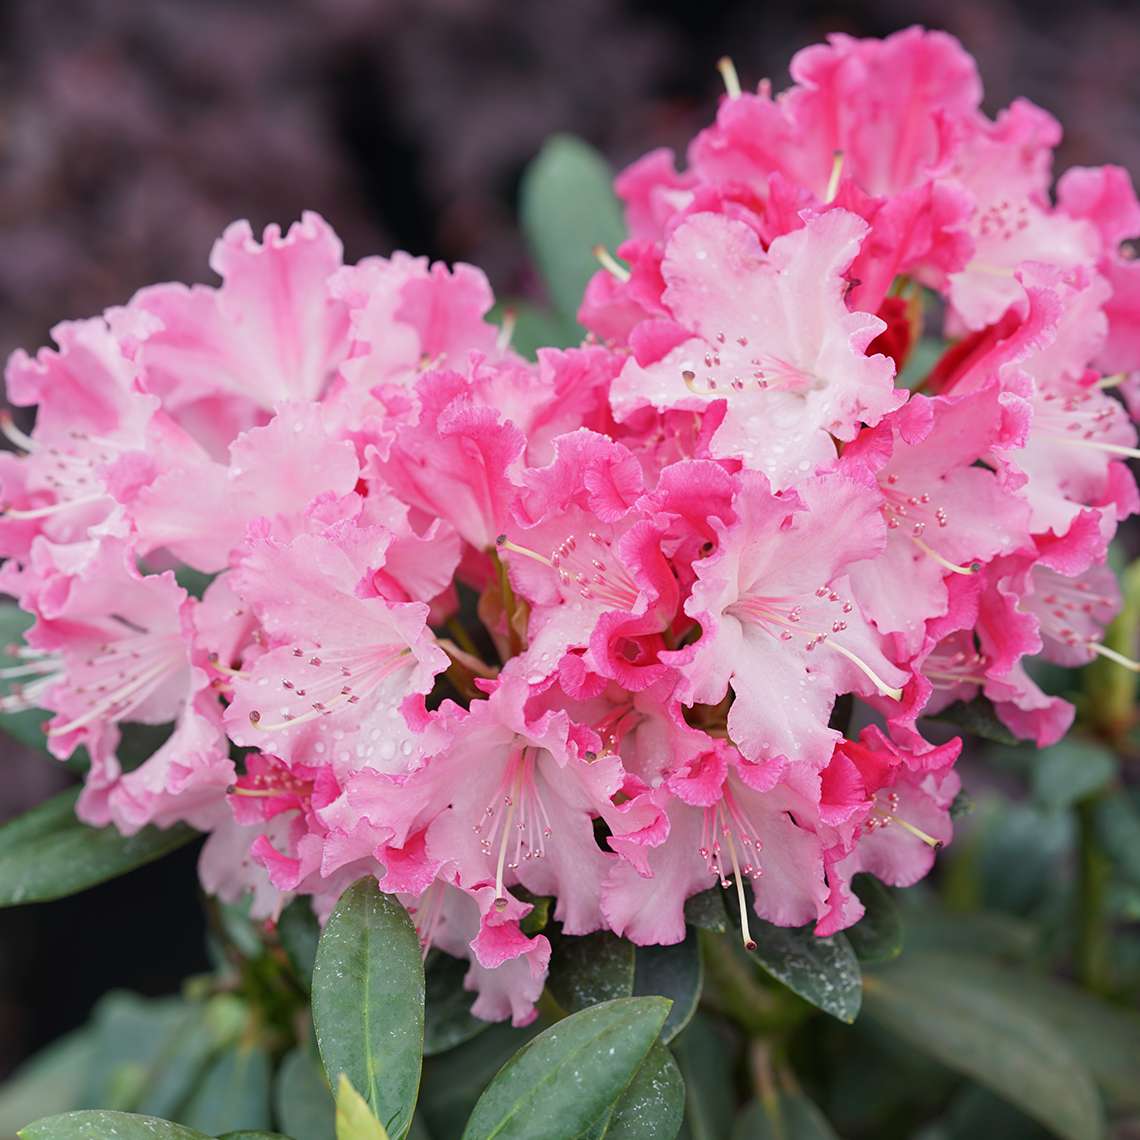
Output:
x=483 y=627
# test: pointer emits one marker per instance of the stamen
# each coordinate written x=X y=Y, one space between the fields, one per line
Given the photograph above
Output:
x=53 y=508
x=10 y=431
x=728 y=74
x=973 y=568
x=611 y=264
x=1112 y=655
x=1097 y=445
x=833 y=181
x=876 y=680
x=918 y=833
x=506 y=330
x=745 y=931
x=500 y=893
x=505 y=543
x=1113 y=381
x=144 y=681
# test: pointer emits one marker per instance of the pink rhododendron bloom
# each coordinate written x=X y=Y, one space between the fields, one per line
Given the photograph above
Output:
x=486 y=628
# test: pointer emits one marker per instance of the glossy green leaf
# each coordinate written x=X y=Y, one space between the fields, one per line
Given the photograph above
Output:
x=1105 y=1037
x=878 y=935
x=706 y=910
x=592 y=969
x=27 y=726
x=104 y=1125
x=652 y=1106
x=149 y=1053
x=454 y=1081
x=977 y=718
x=354 y=1119
x=570 y=1074
x=448 y=1020
x=706 y=1065
x=50 y=1082
x=247 y=1134
x=1118 y=828
x=1069 y=771
x=823 y=971
x=302 y=1099
x=48 y=854
x=675 y=972
x=567 y=208
x=368 y=1002
x=982 y=1030
x=299 y=932
x=234 y=1093
x=787 y=1116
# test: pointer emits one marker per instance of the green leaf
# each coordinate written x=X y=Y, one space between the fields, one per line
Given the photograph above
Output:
x=1070 y=771
x=592 y=969
x=653 y=1105
x=234 y=1093
x=27 y=726
x=51 y=1081
x=299 y=932
x=368 y=1002
x=354 y=1119
x=789 y=1116
x=535 y=327
x=706 y=1065
x=567 y=208
x=569 y=1075
x=878 y=935
x=1106 y=1038
x=103 y=1125
x=979 y=1029
x=1118 y=827
x=447 y=1014
x=48 y=854
x=675 y=972
x=149 y=1052
x=454 y=1081
x=246 y=1134
x=977 y=718
x=301 y=1097
x=823 y=971
x=707 y=911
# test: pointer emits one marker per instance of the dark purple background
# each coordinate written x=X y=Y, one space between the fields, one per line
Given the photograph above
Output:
x=133 y=131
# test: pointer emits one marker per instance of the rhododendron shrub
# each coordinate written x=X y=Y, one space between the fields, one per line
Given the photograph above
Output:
x=647 y=631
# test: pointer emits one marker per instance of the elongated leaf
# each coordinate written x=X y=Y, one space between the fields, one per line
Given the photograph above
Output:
x=675 y=972
x=595 y=968
x=447 y=1014
x=652 y=1107
x=234 y=1093
x=706 y=1065
x=977 y=718
x=52 y=1081
x=569 y=1075
x=48 y=854
x=978 y=1029
x=787 y=1117
x=706 y=910
x=1118 y=826
x=567 y=208
x=823 y=971
x=354 y=1119
x=301 y=1097
x=368 y=1002
x=1069 y=771
x=878 y=935
x=102 y=1125
x=1106 y=1038
x=246 y=1134
x=299 y=932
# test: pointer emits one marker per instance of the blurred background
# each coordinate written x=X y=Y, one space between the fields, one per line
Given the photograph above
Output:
x=131 y=133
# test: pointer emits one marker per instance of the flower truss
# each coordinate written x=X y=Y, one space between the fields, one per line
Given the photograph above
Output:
x=490 y=629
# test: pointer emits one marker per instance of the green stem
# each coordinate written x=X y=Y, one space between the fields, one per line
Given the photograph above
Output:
x=1094 y=873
